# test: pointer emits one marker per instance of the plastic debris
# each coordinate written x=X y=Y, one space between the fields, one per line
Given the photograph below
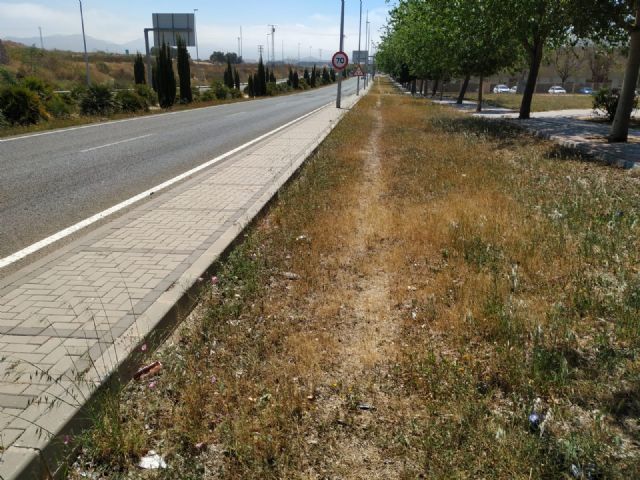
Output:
x=535 y=419
x=366 y=406
x=148 y=370
x=291 y=276
x=152 y=461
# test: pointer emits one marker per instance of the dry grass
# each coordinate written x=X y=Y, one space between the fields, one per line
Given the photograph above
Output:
x=454 y=276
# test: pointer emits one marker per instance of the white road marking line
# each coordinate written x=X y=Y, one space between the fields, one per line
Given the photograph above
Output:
x=238 y=113
x=105 y=213
x=116 y=143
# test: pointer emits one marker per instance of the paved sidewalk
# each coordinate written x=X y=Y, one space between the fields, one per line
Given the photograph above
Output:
x=569 y=129
x=71 y=319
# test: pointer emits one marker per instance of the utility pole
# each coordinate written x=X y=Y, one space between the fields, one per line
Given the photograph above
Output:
x=260 y=48
x=359 y=46
x=268 y=54
x=339 y=97
x=195 y=34
x=273 y=44
x=84 y=40
x=366 y=62
x=240 y=53
x=41 y=42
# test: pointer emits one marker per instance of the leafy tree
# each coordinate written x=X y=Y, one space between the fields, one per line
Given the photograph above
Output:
x=218 y=57
x=627 y=101
x=566 y=61
x=165 y=78
x=184 y=72
x=139 y=70
x=233 y=58
x=600 y=58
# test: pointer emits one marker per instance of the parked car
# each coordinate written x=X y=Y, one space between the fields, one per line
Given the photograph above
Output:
x=556 y=90
x=513 y=89
x=585 y=91
x=501 y=89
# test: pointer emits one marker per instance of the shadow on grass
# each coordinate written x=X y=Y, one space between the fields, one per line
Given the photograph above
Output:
x=506 y=133
x=625 y=404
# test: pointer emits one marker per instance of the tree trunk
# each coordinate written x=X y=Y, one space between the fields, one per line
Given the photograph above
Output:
x=463 y=89
x=413 y=86
x=479 y=106
x=434 y=90
x=426 y=87
x=530 y=88
x=620 y=128
x=421 y=88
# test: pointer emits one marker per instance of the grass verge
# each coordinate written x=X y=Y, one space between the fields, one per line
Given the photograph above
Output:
x=541 y=102
x=445 y=298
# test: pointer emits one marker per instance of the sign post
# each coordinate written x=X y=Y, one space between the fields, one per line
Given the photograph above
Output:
x=339 y=97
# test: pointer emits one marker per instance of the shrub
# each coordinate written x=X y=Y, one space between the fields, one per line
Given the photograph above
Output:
x=6 y=77
x=220 y=90
x=131 y=102
x=98 y=100
x=21 y=106
x=147 y=93
x=4 y=123
x=208 y=95
x=61 y=105
x=235 y=93
x=607 y=100
x=39 y=86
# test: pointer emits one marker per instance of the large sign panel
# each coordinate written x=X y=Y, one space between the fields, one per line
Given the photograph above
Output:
x=359 y=56
x=167 y=27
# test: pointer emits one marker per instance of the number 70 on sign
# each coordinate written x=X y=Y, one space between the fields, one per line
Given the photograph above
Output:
x=340 y=60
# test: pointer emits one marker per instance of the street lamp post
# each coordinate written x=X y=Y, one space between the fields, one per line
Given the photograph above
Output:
x=359 y=45
x=84 y=40
x=338 y=99
x=195 y=34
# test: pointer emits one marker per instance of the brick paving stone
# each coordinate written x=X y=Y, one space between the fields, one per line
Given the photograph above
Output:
x=87 y=308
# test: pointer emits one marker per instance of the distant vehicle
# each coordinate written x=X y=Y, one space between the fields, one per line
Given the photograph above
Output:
x=557 y=90
x=500 y=89
x=586 y=91
x=513 y=89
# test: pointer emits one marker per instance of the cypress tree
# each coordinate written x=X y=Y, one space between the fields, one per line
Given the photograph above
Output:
x=272 y=77
x=154 y=76
x=260 y=84
x=184 y=71
x=290 y=81
x=325 y=76
x=228 y=74
x=250 y=90
x=296 y=80
x=267 y=75
x=313 y=77
x=306 y=75
x=166 y=80
x=138 y=70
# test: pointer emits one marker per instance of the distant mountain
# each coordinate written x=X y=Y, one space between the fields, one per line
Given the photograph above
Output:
x=74 y=43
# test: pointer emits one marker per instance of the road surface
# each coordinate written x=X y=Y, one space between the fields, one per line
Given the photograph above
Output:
x=55 y=179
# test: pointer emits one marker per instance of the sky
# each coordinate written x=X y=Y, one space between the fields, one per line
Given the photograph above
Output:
x=314 y=25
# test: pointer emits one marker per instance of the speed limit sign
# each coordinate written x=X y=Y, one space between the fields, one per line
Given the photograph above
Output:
x=340 y=60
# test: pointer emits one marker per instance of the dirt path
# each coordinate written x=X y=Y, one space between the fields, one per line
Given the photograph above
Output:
x=365 y=335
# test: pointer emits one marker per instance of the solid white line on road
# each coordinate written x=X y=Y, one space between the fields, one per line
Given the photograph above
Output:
x=234 y=114
x=116 y=143
x=105 y=213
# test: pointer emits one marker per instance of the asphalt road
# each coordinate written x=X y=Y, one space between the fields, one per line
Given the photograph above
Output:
x=51 y=181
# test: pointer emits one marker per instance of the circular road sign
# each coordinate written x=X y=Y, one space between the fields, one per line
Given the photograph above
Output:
x=340 y=60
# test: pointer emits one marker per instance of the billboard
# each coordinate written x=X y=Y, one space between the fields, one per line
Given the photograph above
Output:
x=167 y=27
x=360 y=56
